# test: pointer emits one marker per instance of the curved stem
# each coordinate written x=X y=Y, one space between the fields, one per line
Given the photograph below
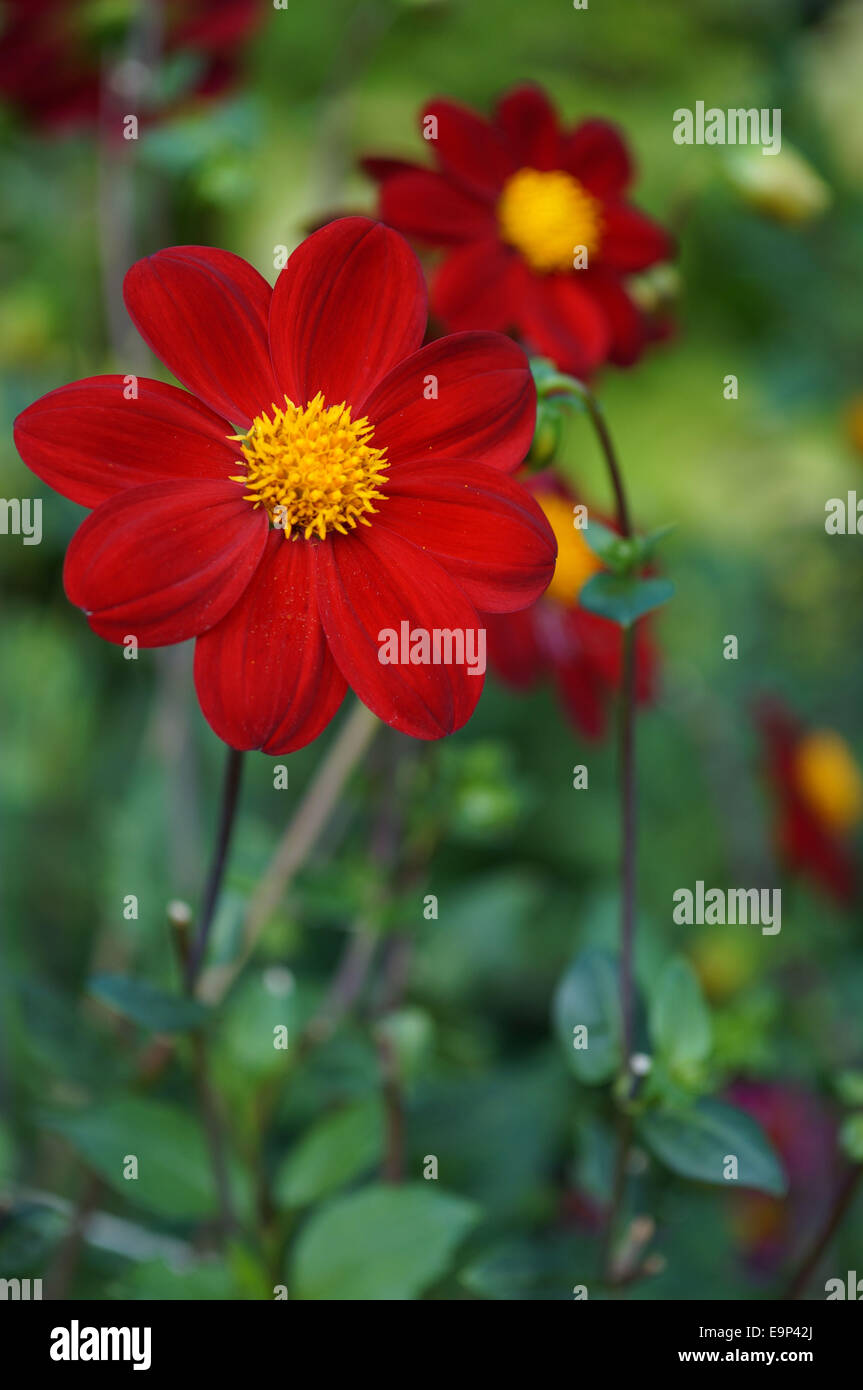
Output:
x=215 y=878
x=836 y=1216
x=598 y=421
x=563 y=386
x=628 y=824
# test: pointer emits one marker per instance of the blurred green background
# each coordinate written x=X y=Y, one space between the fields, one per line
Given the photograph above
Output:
x=109 y=776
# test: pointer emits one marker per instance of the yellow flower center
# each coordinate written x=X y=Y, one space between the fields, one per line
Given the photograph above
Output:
x=576 y=561
x=314 y=470
x=829 y=779
x=546 y=217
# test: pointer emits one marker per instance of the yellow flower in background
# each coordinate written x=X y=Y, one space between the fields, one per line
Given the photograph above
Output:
x=783 y=186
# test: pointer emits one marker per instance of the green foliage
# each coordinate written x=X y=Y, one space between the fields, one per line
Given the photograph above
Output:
x=339 y=1148
x=623 y=598
x=109 y=776
x=381 y=1243
x=696 y=1143
x=588 y=997
x=174 y=1174
x=851 y=1137
x=680 y=1020
x=147 y=1005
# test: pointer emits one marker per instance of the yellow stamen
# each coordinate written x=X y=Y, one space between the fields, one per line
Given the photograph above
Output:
x=547 y=216
x=829 y=779
x=314 y=470
x=576 y=561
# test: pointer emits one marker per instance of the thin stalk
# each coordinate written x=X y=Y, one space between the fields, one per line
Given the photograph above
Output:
x=629 y=829
x=215 y=878
x=628 y=826
x=824 y=1237
x=307 y=824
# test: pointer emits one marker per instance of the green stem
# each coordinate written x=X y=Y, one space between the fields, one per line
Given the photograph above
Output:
x=628 y=810
x=215 y=878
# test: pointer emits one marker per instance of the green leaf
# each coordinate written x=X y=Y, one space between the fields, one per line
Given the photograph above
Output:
x=157 y=1280
x=540 y=1270
x=589 y=996
x=849 y=1087
x=851 y=1137
x=381 y=1243
x=337 y=1149
x=624 y=598
x=550 y=381
x=7 y=1155
x=174 y=1177
x=679 y=1018
x=696 y=1142
x=647 y=545
x=148 y=1005
x=613 y=550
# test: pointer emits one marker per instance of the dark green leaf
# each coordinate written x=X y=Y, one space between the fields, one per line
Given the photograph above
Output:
x=624 y=598
x=381 y=1243
x=337 y=1149
x=696 y=1143
x=148 y=1005
x=174 y=1176
x=589 y=996
x=679 y=1018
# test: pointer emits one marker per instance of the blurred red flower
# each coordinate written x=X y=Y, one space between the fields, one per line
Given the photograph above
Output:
x=818 y=791
x=510 y=201
x=363 y=501
x=52 y=52
x=802 y=1129
x=580 y=651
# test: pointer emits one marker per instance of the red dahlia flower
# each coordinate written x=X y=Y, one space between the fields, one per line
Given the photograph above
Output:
x=52 y=52
x=582 y=652
x=367 y=486
x=511 y=200
x=802 y=1129
x=819 y=799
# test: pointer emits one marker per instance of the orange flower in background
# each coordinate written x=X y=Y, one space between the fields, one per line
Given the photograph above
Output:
x=818 y=791
x=581 y=652
x=540 y=239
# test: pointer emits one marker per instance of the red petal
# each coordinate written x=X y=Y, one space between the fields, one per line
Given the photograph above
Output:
x=596 y=154
x=469 y=147
x=204 y=313
x=485 y=407
x=380 y=167
x=480 y=525
x=164 y=562
x=627 y=323
x=584 y=696
x=477 y=286
x=563 y=321
x=264 y=674
x=513 y=648
x=347 y=307
x=630 y=240
x=527 y=121
x=88 y=442
x=373 y=582
x=431 y=208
